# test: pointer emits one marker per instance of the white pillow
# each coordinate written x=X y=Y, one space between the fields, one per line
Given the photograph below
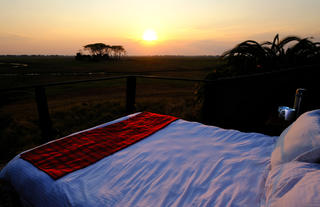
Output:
x=294 y=184
x=302 y=136
x=312 y=156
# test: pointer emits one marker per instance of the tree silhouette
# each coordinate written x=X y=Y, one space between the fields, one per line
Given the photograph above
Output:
x=101 y=51
x=97 y=49
x=118 y=51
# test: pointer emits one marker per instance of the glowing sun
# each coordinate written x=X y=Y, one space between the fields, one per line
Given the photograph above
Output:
x=149 y=35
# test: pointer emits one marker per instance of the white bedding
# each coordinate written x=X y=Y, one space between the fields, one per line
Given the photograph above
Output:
x=294 y=184
x=184 y=164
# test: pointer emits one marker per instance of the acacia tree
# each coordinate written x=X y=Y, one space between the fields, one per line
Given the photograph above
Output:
x=98 y=49
x=118 y=51
x=101 y=51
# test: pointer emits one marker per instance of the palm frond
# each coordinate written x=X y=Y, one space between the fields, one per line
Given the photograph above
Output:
x=275 y=42
x=288 y=39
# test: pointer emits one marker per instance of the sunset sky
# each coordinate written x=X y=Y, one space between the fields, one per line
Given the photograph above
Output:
x=182 y=27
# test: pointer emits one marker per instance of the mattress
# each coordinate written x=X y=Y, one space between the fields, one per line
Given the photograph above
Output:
x=184 y=164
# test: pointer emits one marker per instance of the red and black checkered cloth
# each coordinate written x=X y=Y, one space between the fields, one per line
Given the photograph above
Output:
x=69 y=154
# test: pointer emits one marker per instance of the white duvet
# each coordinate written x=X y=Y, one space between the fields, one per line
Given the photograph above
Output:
x=184 y=164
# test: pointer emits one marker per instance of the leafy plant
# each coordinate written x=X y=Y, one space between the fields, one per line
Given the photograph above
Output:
x=251 y=56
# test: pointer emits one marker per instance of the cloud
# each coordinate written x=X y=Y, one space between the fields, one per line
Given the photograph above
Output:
x=13 y=43
x=210 y=47
x=20 y=44
x=179 y=47
x=8 y=37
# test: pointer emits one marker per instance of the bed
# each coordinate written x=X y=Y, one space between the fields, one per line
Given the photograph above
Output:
x=183 y=163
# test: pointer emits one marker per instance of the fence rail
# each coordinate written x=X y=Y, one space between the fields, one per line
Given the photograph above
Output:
x=45 y=122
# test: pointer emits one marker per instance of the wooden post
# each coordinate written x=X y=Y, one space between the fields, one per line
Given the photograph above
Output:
x=43 y=113
x=131 y=94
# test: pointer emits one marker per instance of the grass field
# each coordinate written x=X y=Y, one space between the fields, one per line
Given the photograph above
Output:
x=52 y=68
x=79 y=106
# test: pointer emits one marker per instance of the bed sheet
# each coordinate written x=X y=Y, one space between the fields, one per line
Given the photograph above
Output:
x=184 y=164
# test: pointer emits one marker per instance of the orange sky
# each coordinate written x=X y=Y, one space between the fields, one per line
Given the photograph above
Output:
x=183 y=27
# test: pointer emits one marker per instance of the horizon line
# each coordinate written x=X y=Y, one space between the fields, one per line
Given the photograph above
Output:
x=56 y=55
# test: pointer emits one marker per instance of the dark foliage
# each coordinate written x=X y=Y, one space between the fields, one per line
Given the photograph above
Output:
x=259 y=77
x=253 y=57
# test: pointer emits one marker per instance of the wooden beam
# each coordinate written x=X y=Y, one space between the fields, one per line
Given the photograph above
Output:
x=131 y=94
x=43 y=113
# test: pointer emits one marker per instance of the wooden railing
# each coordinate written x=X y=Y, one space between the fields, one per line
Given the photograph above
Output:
x=42 y=104
x=45 y=122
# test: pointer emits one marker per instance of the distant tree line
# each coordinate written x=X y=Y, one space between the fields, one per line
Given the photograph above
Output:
x=101 y=51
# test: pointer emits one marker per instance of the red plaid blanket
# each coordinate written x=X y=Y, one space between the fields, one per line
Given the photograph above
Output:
x=66 y=155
